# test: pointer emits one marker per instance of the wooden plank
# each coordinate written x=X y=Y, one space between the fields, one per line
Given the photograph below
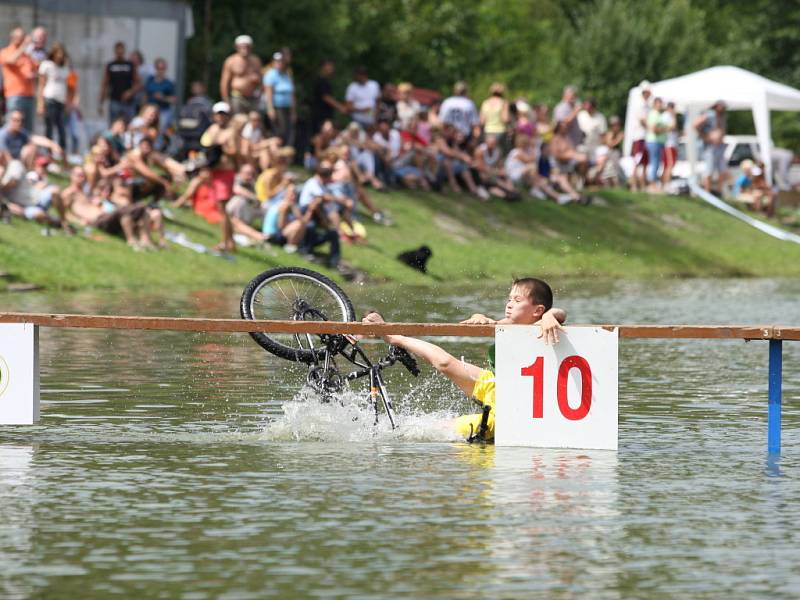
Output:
x=242 y=325
x=786 y=333
x=747 y=332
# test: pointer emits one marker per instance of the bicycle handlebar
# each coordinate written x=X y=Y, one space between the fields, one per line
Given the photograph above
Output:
x=409 y=362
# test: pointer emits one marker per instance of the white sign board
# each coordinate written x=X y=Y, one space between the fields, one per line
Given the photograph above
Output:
x=19 y=374
x=562 y=396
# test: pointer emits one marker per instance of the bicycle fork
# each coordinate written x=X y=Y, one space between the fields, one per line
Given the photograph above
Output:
x=376 y=388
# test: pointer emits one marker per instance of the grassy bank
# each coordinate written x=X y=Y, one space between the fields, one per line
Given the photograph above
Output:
x=622 y=235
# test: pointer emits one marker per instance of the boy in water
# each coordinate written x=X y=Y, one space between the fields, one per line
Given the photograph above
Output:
x=530 y=302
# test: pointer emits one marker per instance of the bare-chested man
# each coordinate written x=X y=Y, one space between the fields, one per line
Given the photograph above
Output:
x=131 y=222
x=240 y=83
x=222 y=148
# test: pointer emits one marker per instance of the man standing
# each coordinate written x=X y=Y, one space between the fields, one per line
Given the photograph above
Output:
x=361 y=96
x=161 y=91
x=240 y=82
x=120 y=85
x=460 y=112
x=38 y=46
x=641 y=110
x=323 y=102
x=19 y=75
x=280 y=99
x=712 y=126
x=567 y=112
x=593 y=125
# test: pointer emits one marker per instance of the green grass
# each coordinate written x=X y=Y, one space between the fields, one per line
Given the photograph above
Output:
x=626 y=235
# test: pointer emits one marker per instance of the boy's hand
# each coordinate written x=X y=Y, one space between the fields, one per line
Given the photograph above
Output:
x=375 y=318
x=478 y=319
x=550 y=327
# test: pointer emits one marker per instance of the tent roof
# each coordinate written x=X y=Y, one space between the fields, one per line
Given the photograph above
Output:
x=739 y=89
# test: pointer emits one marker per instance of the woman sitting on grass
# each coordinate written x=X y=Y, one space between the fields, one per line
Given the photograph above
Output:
x=751 y=187
x=200 y=195
x=285 y=224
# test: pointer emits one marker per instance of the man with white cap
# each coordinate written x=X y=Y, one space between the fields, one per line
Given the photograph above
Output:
x=240 y=82
x=641 y=110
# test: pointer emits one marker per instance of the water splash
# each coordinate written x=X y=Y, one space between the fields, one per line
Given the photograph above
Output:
x=349 y=418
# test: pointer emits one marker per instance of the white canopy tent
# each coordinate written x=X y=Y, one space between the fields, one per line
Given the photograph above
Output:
x=739 y=89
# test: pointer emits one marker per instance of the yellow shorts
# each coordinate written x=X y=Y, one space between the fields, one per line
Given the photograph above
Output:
x=483 y=392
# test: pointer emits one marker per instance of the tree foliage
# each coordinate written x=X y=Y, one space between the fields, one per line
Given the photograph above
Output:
x=535 y=47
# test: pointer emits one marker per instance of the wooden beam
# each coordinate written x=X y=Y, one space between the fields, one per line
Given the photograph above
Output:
x=243 y=325
x=746 y=332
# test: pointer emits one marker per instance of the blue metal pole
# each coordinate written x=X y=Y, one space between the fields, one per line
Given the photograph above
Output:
x=774 y=413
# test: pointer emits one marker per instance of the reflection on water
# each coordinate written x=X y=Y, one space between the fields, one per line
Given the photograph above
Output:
x=192 y=465
x=548 y=503
x=17 y=498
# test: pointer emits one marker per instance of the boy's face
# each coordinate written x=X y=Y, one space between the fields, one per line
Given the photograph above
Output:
x=520 y=310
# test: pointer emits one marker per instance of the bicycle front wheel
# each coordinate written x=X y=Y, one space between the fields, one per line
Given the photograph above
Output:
x=296 y=294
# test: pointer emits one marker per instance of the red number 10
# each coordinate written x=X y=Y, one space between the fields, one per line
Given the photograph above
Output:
x=536 y=370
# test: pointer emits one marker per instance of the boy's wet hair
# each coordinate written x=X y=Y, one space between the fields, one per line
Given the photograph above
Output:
x=537 y=290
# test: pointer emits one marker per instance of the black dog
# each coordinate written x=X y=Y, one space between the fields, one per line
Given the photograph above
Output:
x=416 y=259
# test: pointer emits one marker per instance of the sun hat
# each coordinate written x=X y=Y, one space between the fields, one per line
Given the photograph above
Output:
x=242 y=40
x=221 y=107
x=645 y=85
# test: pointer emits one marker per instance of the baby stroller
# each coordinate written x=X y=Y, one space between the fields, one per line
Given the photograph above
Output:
x=193 y=119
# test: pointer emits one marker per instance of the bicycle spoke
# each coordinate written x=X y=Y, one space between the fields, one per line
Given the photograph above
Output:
x=298 y=296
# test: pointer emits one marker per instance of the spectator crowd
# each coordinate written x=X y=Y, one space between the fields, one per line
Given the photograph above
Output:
x=229 y=160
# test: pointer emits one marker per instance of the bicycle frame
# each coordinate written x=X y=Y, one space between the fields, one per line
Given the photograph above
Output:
x=325 y=378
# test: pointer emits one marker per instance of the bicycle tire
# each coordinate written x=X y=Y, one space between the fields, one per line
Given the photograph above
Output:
x=296 y=277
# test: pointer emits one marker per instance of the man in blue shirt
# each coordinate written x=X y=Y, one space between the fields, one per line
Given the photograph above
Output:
x=279 y=94
x=161 y=92
x=22 y=145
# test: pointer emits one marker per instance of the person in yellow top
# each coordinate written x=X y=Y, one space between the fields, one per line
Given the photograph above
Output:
x=276 y=179
x=530 y=302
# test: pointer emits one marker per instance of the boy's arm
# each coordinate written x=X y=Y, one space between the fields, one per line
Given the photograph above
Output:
x=550 y=323
x=461 y=373
x=478 y=319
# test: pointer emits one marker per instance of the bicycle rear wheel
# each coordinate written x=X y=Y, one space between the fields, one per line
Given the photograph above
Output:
x=296 y=294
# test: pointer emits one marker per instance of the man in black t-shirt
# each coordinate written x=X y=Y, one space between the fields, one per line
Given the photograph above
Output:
x=387 y=103
x=323 y=102
x=120 y=85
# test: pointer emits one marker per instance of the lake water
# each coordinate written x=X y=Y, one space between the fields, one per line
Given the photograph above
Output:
x=174 y=465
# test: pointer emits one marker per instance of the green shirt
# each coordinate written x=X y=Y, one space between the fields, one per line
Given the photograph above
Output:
x=655 y=119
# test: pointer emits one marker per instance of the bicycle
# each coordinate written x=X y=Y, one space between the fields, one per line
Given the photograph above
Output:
x=298 y=294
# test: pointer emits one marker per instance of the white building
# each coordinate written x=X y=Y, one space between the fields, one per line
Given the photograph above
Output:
x=90 y=28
